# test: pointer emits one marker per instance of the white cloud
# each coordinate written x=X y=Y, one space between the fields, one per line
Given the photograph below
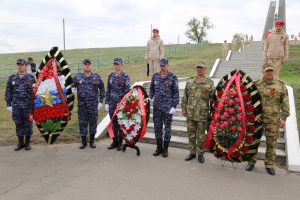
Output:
x=32 y=25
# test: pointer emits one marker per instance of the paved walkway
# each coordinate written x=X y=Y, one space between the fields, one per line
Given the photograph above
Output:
x=66 y=173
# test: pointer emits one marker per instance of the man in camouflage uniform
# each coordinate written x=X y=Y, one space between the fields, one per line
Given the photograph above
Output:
x=118 y=84
x=195 y=106
x=90 y=95
x=18 y=99
x=275 y=103
x=276 y=48
x=164 y=93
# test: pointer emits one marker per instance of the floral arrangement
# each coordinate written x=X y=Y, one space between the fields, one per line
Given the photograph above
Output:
x=52 y=96
x=133 y=115
x=235 y=126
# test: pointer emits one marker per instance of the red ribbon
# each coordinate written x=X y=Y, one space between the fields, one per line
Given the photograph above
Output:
x=51 y=66
x=243 y=133
x=142 y=112
x=236 y=78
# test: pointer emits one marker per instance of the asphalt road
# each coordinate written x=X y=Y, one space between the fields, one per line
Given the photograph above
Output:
x=64 y=172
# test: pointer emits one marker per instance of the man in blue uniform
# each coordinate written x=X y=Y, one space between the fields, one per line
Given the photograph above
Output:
x=165 y=95
x=90 y=95
x=18 y=99
x=118 y=84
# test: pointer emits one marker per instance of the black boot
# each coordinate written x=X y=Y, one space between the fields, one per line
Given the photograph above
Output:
x=190 y=157
x=249 y=167
x=27 y=143
x=271 y=171
x=120 y=144
x=92 y=141
x=20 y=145
x=165 y=150
x=114 y=144
x=83 y=142
x=201 y=158
x=159 y=148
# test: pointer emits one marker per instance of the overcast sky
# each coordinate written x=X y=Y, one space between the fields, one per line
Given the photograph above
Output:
x=35 y=25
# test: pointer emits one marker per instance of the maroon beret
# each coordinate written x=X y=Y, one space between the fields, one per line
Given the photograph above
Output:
x=155 y=30
x=279 y=22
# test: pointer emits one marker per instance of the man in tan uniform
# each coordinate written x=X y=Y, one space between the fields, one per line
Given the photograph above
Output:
x=225 y=49
x=154 y=52
x=195 y=106
x=276 y=48
x=275 y=103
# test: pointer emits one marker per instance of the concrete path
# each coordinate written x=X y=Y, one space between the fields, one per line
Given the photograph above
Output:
x=66 y=173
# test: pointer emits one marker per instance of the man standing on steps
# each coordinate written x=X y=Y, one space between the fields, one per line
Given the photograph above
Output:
x=276 y=48
x=164 y=93
x=275 y=103
x=18 y=99
x=225 y=49
x=154 y=52
x=118 y=84
x=90 y=95
x=195 y=107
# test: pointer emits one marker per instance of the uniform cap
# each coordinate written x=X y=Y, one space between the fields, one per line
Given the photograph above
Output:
x=279 y=22
x=86 y=61
x=267 y=67
x=163 y=62
x=21 y=62
x=118 y=61
x=155 y=30
x=200 y=64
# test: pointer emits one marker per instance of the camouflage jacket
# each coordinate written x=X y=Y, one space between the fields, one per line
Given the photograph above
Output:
x=274 y=99
x=276 y=46
x=196 y=98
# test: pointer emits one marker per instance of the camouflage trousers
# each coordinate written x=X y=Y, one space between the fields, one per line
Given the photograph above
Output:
x=196 y=135
x=161 y=118
x=271 y=132
x=276 y=63
x=23 y=125
x=88 y=118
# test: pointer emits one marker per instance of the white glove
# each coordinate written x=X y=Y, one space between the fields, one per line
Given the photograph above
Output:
x=73 y=90
x=9 y=109
x=99 y=106
x=172 y=111
x=106 y=107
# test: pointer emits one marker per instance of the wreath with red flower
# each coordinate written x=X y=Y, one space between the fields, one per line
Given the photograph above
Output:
x=133 y=115
x=52 y=96
x=235 y=126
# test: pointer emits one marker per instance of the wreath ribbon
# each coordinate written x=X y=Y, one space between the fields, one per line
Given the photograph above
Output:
x=51 y=65
x=211 y=130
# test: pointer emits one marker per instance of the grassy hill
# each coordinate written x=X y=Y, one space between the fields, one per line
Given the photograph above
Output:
x=182 y=60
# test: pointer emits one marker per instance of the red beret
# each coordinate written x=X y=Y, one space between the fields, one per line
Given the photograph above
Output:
x=279 y=22
x=155 y=30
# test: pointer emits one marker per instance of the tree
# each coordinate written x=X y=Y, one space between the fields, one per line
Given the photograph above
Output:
x=239 y=37
x=197 y=29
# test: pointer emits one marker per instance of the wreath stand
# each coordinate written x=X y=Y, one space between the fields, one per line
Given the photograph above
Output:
x=234 y=164
x=138 y=153
x=133 y=146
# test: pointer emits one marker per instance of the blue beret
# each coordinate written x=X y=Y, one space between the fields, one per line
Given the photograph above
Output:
x=21 y=61
x=163 y=62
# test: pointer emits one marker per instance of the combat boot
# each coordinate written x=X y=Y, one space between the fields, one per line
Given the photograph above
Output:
x=92 y=141
x=27 y=143
x=83 y=142
x=120 y=144
x=190 y=157
x=159 y=148
x=201 y=158
x=20 y=145
x=114 y=144
x=165 y=150
x=249 y=167
x=271 y=171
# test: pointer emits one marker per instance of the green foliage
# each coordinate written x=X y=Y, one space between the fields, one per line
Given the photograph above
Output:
x=197 y=29
x=51 y=125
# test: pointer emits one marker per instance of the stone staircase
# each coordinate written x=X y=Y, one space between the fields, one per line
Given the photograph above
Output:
x=179 y=137
x=250 y=60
